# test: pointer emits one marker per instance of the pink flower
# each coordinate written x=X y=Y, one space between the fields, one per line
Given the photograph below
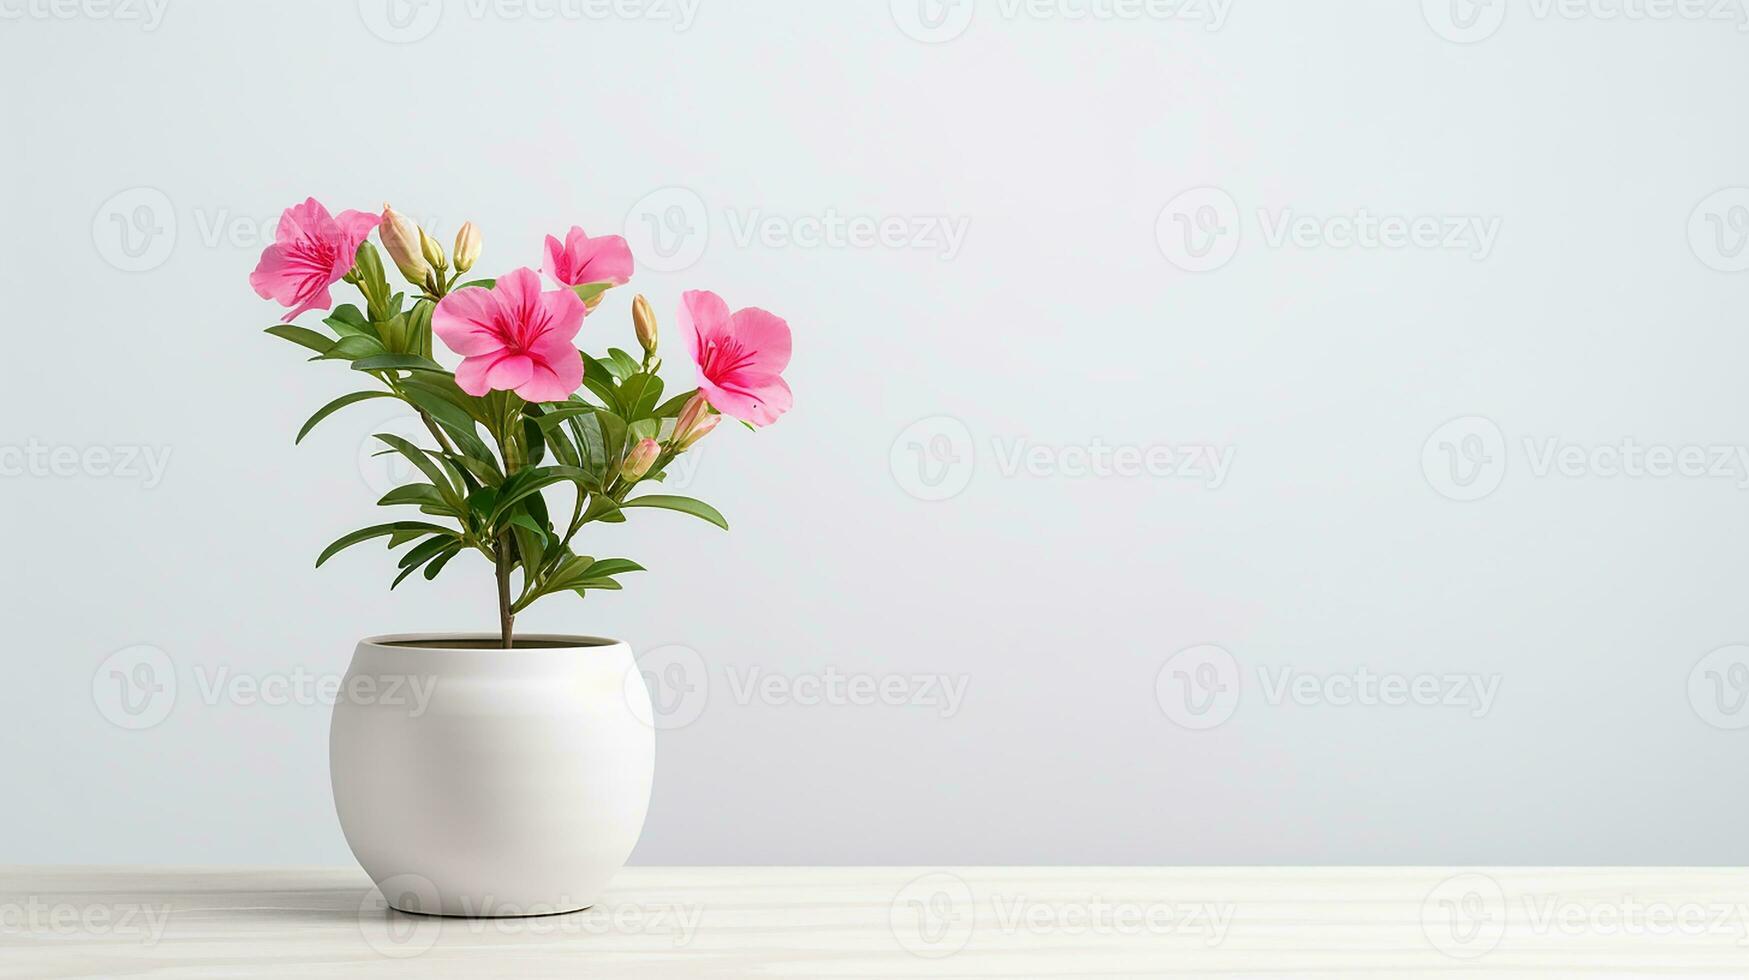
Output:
x=585 y=260
x=513 y=337
x=740 y=358
x=312 y=251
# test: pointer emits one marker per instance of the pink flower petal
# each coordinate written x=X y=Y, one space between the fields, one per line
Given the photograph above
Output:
x=553 y=380
x=465 y=319
x=765 y=334
x=759 y=403
x=555 y=264
x=702 y=315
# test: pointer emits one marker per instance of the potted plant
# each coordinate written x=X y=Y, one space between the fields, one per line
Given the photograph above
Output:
x=495 y=773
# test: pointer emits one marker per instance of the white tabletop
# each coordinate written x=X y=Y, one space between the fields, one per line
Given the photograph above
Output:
x=868 y=922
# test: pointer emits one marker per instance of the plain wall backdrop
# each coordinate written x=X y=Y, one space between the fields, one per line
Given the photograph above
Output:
x=1225 y=432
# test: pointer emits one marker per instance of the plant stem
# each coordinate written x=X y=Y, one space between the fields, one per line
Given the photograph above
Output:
x=506 y=619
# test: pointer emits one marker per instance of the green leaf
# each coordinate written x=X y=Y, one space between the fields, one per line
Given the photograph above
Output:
x=613 y=440
x=589 y=291
x=600 y=381
x=612 y=566
x=431 y=549
x=302 y=336
x=419 y=328
x=347 y=321
x=418 y=494
x=426 y=551
x=376 y=531
x=591 y=446
x=433 y=472
x=441 y=560
x=639 y=395
x=671 y=408
x=397 y=362
x=335 y=406
x=525 y=521
x=482 y=283
x=534 y=443
x=685 y=505
x=528 y=482
x=352 y=348
x=622 y=365
x=602 y=508
x=642 y=429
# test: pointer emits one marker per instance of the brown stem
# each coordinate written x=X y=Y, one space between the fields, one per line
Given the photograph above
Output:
x=506 y=619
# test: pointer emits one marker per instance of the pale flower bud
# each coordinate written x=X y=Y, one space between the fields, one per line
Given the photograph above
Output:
x=467 y=246
x=640 y=459
x=644 y=320
x=433 y=251
x=699 y=431
x=695 y=409
x=401 y=239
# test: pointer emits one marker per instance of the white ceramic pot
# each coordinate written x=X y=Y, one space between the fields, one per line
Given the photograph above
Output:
x=477 y=781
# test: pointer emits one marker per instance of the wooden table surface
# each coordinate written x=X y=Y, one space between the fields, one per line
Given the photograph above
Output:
x=894 y=922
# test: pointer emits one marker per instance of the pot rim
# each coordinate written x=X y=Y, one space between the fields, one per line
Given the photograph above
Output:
x=550 y=642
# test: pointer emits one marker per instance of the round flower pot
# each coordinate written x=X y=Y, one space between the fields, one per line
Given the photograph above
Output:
x=477 y=781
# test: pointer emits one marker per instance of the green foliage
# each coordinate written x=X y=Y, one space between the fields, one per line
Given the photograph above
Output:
x=490 y=462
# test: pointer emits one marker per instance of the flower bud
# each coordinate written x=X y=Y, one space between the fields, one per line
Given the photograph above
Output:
x=644 y=320
x=695 y=409
x=467 y=246
x=699 y=431
x=640 y=459
x=401 y=239
x=433 y=251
